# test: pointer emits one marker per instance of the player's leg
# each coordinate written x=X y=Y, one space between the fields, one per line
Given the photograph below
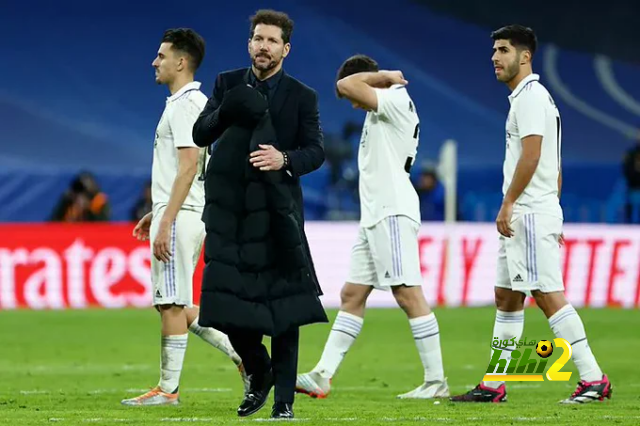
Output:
x=173 y=346
x=169 y=299
x=508 y=324
x=344 y=332
x=563 y=318
x=394 y=247
x=217 y=339
x=347 y=324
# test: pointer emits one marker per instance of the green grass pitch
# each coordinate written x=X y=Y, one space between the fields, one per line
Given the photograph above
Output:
x=74 y=367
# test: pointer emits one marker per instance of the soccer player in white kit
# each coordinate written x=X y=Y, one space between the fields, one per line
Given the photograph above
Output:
x=530 y=220
x=385 y=255
x=174 y=226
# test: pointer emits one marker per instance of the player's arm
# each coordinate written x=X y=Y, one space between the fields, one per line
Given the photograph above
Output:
x=187 y=169
x=181 y=123
x=211 y=123
x=359 y=88
x=526 y=167
x=530 y=116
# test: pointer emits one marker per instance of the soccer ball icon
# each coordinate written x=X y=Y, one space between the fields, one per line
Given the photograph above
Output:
x=544 y=348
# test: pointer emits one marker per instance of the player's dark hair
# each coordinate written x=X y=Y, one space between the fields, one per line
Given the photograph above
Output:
x=519 y=36
x=354 y=65
x=275 y=18
x=187 y=41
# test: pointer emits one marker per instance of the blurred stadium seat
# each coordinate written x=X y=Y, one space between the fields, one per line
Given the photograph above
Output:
x=98 y=112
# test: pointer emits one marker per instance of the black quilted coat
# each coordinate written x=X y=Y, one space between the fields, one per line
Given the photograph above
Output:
x=258 y=274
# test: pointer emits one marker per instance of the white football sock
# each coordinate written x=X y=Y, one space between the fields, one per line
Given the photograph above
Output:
x=508 y=325
x=344 y=332
x=171 y=359
x=426 y=334
x=566 y=324
x=215 y=338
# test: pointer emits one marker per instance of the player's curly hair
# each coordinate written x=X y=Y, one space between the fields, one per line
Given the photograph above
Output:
x=275 y=18
x=187 y=41
x=519 y=36
x=354 y=65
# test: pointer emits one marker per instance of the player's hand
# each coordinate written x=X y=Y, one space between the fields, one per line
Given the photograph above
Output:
x=162 y=243
x=141 y=231
x=267 y=158
x=561 y=239
x=393 y=77
x=503 y=221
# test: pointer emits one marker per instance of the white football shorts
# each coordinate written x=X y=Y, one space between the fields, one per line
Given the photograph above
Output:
x=386 y=254
x=530 y=259
x=172 y=282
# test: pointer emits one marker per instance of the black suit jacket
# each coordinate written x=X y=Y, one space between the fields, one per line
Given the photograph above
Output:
x=294 y=115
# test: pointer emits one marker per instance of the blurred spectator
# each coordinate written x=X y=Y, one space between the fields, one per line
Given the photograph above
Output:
x=631 y=167
x=432 y=196
x=82 y=202
x=338 y=151
x=143 y=205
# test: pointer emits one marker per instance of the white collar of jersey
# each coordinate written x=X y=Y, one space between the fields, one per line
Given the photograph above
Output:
x=194 y=85
x=528 y=79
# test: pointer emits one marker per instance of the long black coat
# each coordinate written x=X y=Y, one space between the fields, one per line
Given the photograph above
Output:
x=295 y=117
x=258 y=274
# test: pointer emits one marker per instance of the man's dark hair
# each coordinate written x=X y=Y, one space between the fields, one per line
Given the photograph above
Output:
x=188 y=41
x=354 y=65
x=275 y=18
x=519 y=36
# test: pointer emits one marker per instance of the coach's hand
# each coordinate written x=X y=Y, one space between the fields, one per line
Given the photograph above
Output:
x=267 y=158
x=141 y=231
x=162 y=243
x=503 y=221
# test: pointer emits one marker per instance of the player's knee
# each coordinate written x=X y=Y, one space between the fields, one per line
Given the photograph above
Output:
x=549 y=303
x=509 y=300
x=408 y=300
x=170 y=310
x=353 y=295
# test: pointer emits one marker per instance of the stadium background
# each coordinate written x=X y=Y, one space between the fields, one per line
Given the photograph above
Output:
x=77 y=94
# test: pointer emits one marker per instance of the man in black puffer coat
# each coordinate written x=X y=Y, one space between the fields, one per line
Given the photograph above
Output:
x=258 y=278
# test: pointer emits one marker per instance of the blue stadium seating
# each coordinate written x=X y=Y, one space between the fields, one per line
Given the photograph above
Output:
x=85 y=97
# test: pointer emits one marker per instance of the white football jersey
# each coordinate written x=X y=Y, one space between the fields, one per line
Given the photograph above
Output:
x=175 y=131
x=533 y=112
x=388 y=147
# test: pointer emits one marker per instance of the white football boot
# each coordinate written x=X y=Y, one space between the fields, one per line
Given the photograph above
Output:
x=154 y=397
x=428 y=390
x=313 y=384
